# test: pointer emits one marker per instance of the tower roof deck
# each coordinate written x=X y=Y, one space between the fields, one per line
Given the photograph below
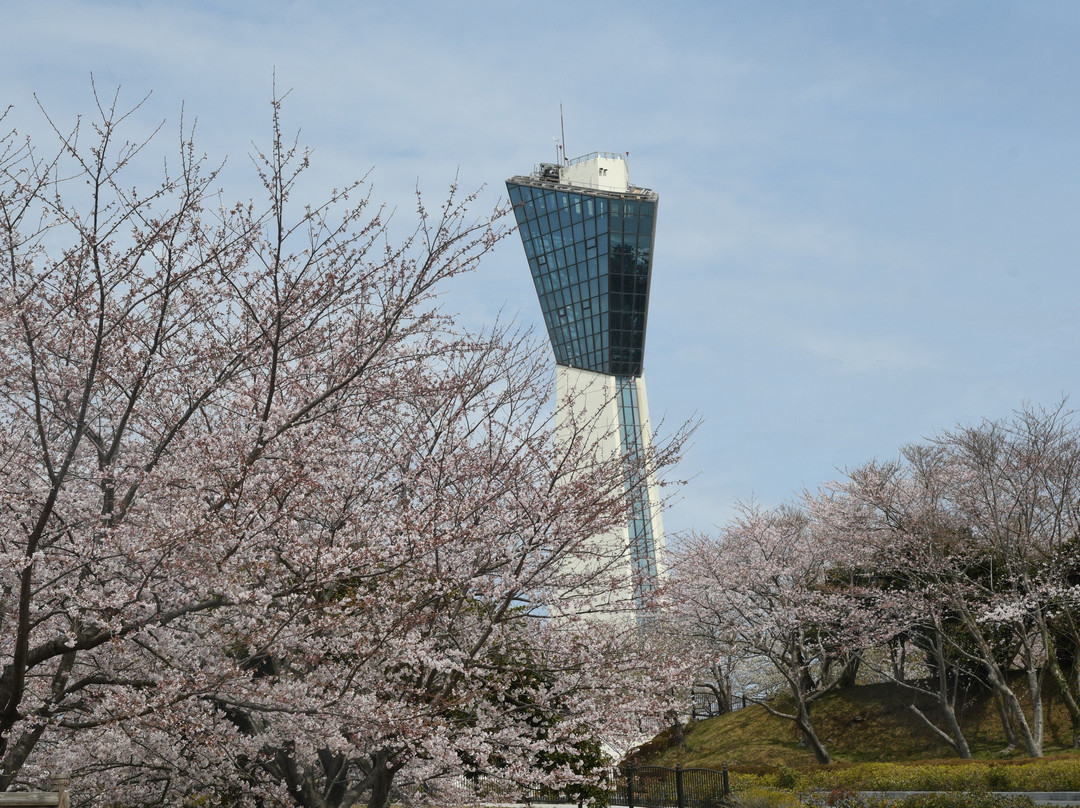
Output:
x=603 y=172
x=537 y=180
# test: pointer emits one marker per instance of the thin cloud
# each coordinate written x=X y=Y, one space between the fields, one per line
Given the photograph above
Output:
x=850 y=354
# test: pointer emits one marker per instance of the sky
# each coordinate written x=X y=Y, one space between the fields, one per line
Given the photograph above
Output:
x=867 y=224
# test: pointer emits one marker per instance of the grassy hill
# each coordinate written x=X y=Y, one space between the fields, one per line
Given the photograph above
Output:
x=860 y=724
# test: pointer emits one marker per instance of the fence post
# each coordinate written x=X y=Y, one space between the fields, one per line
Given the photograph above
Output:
x=60 y=784
x=629 y=785
x=678 y=786
x=726 y=781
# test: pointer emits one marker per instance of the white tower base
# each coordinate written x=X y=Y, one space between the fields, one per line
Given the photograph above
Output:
x=611 y=414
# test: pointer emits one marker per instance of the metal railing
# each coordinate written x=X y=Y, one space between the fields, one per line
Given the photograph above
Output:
x=661 y=787
x=635 y=787
x=594 y=155
x=704 y=703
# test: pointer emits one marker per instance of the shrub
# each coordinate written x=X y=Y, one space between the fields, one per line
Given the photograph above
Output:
x=1029 y=775
x=998 y=779
x=961 y=777
x=944 y=799
x=786 y=777
x=764 y=798
x=842 y=798
x=963 y=799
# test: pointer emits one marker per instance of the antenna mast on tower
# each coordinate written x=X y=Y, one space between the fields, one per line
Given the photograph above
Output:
x=562 y=131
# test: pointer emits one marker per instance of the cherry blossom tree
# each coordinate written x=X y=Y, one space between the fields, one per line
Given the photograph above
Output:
x=277 y=527
x=896 y=514
x=976 y=532
x=763 y=587
x=1018 y=487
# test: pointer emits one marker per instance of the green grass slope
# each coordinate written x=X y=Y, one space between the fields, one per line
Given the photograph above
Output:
x=860 y=724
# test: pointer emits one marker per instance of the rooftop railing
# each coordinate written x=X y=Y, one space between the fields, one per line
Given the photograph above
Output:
x=596 y=154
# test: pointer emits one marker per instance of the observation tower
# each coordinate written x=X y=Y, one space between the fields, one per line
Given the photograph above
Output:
x=588 y=237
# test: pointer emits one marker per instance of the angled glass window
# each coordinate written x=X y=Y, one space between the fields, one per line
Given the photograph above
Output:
x=589 y=254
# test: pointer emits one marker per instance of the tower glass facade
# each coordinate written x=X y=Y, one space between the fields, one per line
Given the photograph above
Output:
x=590 y=254
x=588 y=238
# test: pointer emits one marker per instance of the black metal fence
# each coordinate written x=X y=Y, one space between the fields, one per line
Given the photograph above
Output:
x=634 y=787
x=661 y=787
x=707 y=702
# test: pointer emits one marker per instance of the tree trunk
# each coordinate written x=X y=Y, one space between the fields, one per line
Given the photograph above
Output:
x=1063 y=685
x=1038 y=715
x=954 y=737
x=898 y=658
x=1012 y=714
x=381 y=779
x=946 y=696
x=849 y=674
x=1076 y=684
x=1013 y=720
x=16 y=755
x=801 y=718
x=802 y=721
x=1012 y=741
